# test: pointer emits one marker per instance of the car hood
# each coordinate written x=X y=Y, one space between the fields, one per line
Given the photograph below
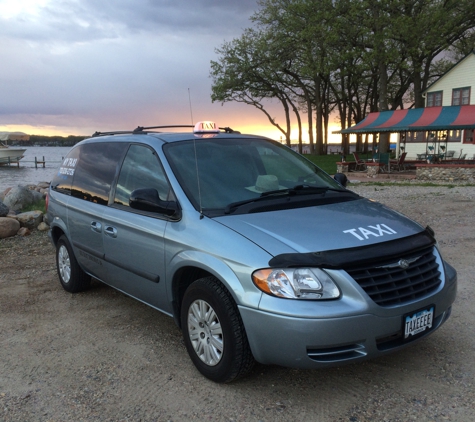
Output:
x=322 y=228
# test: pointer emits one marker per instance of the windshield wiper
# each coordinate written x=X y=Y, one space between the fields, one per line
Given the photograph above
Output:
x=237 y=204
x=303 y=189
x=296 y=190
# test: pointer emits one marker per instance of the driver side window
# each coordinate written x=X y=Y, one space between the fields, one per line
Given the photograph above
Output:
x=141 y=169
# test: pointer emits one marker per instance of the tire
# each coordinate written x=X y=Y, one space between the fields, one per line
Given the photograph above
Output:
x=71 y=276
x=213 y=331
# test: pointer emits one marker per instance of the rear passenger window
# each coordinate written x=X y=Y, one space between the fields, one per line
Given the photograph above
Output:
x=63 y=180
x=141 y=169
x=95 y=169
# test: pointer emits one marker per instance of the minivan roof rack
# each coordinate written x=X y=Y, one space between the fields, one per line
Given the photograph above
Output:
x=143 y=129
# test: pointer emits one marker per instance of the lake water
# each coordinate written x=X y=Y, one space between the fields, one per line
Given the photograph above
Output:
x=11 y=176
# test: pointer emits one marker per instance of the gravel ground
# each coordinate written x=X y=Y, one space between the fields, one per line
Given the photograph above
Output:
x=101 y=356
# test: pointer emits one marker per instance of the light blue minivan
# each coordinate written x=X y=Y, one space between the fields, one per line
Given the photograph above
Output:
x=255 y=252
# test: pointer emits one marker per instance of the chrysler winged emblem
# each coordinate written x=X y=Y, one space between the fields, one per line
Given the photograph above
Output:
x=402 y=263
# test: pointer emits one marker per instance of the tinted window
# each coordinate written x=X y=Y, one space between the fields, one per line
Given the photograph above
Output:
x=141 y=169
x=232 y=170
x=63 y=180
x=95 y=169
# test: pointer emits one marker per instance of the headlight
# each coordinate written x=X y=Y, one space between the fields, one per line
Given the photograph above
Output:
x=296 y=283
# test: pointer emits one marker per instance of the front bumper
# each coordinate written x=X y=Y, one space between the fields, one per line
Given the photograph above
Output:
x=321 y=342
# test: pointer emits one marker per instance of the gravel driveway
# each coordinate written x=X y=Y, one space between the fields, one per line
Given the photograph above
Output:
x=101 y=356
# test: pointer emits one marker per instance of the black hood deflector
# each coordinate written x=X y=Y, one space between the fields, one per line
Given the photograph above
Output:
x=345 y=258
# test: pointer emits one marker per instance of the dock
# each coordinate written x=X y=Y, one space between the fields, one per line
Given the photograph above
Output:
x=37 y=162
x=8 y=162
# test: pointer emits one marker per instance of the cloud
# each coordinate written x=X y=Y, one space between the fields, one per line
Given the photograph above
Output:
x=88 y=20
x=89 y=64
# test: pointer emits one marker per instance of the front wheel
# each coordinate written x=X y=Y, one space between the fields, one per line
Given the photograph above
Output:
x=71 y=276
x=213 y=331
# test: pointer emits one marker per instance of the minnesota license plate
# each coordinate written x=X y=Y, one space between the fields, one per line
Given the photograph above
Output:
x=418 y=322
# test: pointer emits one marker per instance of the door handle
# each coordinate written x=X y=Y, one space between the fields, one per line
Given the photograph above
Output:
x=110 y=231
x=96 y=227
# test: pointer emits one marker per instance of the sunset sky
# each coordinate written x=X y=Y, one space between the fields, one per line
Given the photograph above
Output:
x=71 y=67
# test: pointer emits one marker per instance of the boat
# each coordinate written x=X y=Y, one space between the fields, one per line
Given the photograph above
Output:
x=10 y=155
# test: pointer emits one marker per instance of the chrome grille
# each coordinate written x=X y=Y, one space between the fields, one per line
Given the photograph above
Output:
x=388 y=284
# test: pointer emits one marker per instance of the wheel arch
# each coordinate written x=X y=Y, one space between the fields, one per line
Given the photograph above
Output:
x=196 y=266
x=183 y=278
x=56 y=232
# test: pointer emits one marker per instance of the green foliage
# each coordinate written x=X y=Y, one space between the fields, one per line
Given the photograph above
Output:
x=352 y=56
x=37 y=206
x=328 y=162
x=325 y=162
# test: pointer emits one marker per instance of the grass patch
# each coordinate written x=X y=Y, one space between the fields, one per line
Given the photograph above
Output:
x=328 y=162
x=325 y=162
x=37 y=206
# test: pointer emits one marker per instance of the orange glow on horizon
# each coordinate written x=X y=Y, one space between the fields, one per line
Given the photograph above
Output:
x=275 y=134
x=37 y=130
x=255 y=129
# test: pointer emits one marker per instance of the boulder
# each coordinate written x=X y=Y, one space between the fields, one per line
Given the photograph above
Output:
x=8 y=227
x=43 y=185
x=30 y=219
x=3 y=209
x=18 y=198
x=3 y=194
x=37 y=196
x=42 y=227
x=23 y=232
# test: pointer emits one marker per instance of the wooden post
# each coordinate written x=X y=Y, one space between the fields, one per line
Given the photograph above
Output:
x=40 y=162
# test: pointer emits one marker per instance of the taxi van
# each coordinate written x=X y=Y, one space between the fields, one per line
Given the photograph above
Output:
x=256 y=253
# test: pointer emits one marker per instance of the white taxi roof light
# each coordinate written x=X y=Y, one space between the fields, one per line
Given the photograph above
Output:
x=206 y=127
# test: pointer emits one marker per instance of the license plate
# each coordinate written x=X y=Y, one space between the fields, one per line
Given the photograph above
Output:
x=418 y=322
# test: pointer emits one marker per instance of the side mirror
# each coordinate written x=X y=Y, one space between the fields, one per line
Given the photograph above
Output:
x=147 y=199
x=341 y=179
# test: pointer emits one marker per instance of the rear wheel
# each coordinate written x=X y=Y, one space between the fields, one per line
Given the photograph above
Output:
x=71 y=276
x=213 y=331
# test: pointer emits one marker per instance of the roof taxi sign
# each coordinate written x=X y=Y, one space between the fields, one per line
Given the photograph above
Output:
x=206 y=127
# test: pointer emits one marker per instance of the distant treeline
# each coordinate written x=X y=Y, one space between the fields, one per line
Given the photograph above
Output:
x=58 y=141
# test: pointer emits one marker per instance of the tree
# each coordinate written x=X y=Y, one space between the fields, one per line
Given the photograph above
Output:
x=424 y=29
x=301 y=29
x=245 y=72
x=312 y=57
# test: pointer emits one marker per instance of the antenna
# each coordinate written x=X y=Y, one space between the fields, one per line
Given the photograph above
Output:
x=191 y=110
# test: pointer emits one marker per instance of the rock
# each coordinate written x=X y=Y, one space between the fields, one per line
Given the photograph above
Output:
x=3 y=209
x=3 y=194
x=43 y=226
x=8 y=227
x=43 y=185
x=37 y=196
x=23 y=232
x=19 y=197
x=30 y=219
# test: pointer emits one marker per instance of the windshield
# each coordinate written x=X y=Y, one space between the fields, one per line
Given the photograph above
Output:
x=236 y=170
